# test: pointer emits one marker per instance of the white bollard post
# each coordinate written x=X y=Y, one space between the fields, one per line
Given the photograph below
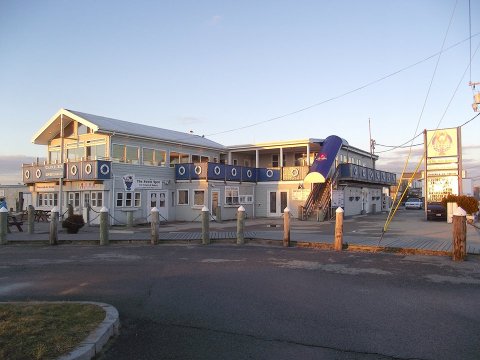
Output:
x=205 y=226
x=286 y=227
x=104 y=226
x=154 y=225
x=338 y=229
x=3 y=226
x=54 y=226
x=241 y=225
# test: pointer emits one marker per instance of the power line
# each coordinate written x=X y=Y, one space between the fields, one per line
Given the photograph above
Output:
x=345 y=93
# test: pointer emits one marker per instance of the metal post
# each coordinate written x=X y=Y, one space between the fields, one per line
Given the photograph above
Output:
x=3 y=226
x=459 y=246
x=205 y=226
x=104 y=226
x=155 y=214
x=54 y=226
x=338 y=229
x=286 y=227
x=241 y=225
x=31 y=219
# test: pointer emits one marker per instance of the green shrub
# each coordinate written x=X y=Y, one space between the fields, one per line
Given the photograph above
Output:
x=73 y=223
x=467 y=203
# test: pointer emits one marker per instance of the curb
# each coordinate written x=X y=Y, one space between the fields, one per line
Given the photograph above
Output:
x=94 y=342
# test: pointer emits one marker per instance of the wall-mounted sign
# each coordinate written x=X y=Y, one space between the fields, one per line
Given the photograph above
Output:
x=338 y=198
x=300 y=194
x=132 y=183
x=54 y=171
x=45 y=187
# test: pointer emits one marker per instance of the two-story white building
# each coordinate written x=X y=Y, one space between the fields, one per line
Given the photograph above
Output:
x=94 y=162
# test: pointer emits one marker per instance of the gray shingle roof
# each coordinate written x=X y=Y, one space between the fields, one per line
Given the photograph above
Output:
x=128 y=128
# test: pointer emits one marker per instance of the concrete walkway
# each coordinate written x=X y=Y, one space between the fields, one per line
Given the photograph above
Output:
x=407 y=232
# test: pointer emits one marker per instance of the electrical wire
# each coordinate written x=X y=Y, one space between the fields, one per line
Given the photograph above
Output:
x=408 y=67
x=392 y=212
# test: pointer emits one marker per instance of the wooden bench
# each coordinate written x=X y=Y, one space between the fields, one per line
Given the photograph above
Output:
x=13 y=221
x=42 y=215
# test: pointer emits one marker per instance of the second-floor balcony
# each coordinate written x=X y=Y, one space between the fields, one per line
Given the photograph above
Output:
x=70 y=171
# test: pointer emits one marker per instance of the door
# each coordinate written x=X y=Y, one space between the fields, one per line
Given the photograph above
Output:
x=277 y=202
x=159 y=200
x=215 y=204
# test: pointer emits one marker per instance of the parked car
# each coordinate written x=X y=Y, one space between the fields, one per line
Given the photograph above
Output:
x=436 y=211
x=413 y=203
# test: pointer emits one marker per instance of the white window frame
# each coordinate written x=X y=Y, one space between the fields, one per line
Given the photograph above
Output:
x=194 y=198
x=178 y=197
x=234 y=190
x=245 y=199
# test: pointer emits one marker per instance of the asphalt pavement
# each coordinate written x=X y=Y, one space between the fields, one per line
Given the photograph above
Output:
x=260 y=302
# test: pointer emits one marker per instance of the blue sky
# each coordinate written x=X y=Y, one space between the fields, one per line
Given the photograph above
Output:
x=215 y=66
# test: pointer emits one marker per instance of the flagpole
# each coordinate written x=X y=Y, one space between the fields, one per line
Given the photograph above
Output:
x=60 y=180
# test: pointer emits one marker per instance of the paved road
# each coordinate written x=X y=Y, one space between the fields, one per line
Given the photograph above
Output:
x=256 y=302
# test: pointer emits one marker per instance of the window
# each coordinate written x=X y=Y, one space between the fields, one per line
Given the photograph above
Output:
x=47 y=200
x=118 y=153
x=96 y=151
x=275 y=160
x=178 y=158
x=75 y=153
x=74 y=199
x=231 y=195
x=131 y=154
x=119 y=199
x=300 y=159
x=125 y=154
x=97 y=199
x=198 y=197
x=137 y=199
x=128 y=199
x=182 y=196
x=154 y=157
x=82 y=129
x=235 y=162
x=246 y=162
x=246 y=199
x=54 y=155
x=200 y=159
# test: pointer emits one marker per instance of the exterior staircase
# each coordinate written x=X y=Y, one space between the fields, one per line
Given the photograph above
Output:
x=318 y=202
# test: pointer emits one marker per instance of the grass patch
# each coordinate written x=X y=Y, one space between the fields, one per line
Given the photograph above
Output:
x=45 y=331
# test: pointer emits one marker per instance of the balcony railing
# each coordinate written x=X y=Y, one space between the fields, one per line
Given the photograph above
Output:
x=72 y=170
x=223 y=172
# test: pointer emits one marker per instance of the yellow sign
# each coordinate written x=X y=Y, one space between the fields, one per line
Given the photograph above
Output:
x=442 y=142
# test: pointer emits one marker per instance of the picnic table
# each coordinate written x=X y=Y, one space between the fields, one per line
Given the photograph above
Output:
x=15 y=219
x=42 y=215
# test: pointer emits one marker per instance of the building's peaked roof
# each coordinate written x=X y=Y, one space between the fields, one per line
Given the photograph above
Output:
x=121 y=127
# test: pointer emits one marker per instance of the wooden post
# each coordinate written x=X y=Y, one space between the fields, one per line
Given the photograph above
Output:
x=459 y=246
x=205 y=226
x=3 y=226
x=129 y=218
x=104 y=226
x=338 y=245
x=286 y=227
x=241 y=225
x=70 y=210
x=155 y=214
x=53 y=238
x=88 y=214
x=31 y=219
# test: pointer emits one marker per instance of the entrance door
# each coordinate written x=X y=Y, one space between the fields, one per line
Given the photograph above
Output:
x=159 y=200
x=215 y=203
x=277 y=202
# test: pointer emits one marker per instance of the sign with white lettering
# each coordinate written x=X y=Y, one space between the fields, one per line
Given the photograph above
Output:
x=54 y=171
